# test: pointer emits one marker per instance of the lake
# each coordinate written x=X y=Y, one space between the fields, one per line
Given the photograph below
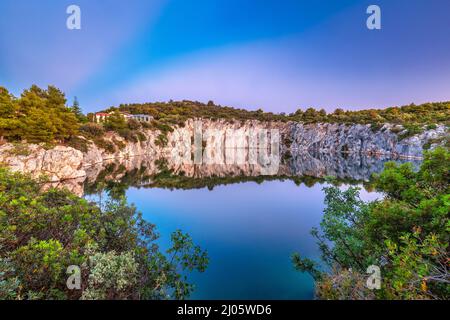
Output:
x=249 y=224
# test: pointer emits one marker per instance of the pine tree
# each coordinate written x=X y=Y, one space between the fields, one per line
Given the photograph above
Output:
x=37 y=116
x=77 y=111
x=7 y=113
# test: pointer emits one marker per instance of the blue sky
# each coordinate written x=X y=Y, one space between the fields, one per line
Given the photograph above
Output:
x=275 y=55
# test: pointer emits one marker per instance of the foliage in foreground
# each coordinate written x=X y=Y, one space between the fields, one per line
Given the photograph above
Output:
x=406 y=234
x=42 y=233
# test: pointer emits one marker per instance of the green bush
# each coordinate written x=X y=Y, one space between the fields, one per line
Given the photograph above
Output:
x=141 y=136
x=107 y=145
x=119 y=144
x=411 y=129
x=78 y=143
x=128 y=135
x=92 y=130
x=406 y=234
x=19 y=149
x=134 y=124
x=42 y=233
x=161 y=140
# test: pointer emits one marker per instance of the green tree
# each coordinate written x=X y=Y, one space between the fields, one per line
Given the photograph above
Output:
x=310 y=115
x=77 y=111
x=406 y=234
x=9 y=125
x=44 y=232
x=116 y=122
x=39 y=126
x=37 y=116
x=7 y=104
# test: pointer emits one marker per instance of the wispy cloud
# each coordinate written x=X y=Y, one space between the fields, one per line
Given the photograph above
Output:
x=36 y=46
x=331 y=65
x=287 y=54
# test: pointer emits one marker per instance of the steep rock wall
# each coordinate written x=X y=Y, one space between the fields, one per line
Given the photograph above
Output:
x=358 y=138
x=62 y=163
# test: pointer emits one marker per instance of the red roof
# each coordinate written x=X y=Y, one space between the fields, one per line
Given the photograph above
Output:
x=102 y=114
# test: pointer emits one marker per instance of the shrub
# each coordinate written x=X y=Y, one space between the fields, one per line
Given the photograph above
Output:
x=142 y=137
x=107 y=145
x=78 y=143
x=133 y=124
x=120 y=144
x=410 y=130
x=128 y=135
x=19 y=149
x=92 y=130
x=111 y=274
x=405 y=234
x=42 y=233
x=161 y=140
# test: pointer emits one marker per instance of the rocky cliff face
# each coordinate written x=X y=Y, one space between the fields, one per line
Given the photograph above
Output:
x=329 y=137
x=218 y=143
x=57 y=164
x=96 y=155
x=63 y=163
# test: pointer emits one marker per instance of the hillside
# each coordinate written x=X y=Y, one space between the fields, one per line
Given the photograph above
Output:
x=43 y=116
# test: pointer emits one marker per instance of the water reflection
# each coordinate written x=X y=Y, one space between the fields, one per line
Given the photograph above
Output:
x=249 y=229
x=307 y=168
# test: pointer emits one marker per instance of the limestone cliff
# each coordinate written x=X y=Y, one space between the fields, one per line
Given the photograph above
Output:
x=359 y=138
x=57 y=164
x=296 y=139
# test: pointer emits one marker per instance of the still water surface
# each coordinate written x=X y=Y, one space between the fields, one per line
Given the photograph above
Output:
x=249 y=226
x=250 y=231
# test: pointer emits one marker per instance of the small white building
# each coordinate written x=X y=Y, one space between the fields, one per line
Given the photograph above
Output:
x=102 y=116
x=141 y=117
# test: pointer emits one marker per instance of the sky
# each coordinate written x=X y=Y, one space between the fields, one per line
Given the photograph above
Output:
x=278 y=55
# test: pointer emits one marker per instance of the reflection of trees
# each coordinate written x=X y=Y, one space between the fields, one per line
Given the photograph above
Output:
x=302 y=168
x=115 y=180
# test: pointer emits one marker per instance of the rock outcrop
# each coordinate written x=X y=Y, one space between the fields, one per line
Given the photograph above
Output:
x=96 y=155
x=358 y=138
x=59 y=163
x=210 y=143
x=63 y=163
x=413 y=146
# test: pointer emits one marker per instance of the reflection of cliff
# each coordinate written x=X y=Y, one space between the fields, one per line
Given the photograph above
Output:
x=216 y=147
x=353 y=166
x=303 y=167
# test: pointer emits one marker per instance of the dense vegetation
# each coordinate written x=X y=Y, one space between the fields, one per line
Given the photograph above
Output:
x=413 y=118
x=406 y=234
x=40 y=115
x=37 y=116
x=42 y=233
x=130 y=131
x=176 y=112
